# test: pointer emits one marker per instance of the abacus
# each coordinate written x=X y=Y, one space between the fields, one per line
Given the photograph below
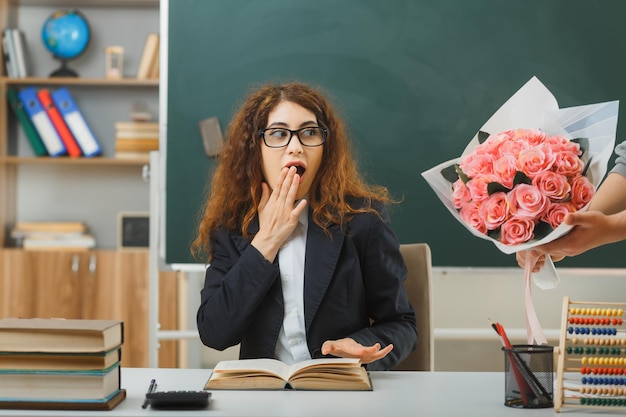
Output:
x=591 y=367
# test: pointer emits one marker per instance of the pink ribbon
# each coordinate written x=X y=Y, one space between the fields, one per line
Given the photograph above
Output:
x=533 y=327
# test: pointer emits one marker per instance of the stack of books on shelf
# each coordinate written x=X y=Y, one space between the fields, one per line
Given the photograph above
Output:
x=14 y=47
x=149 y=63
x=52 y=236
x=136 y=139
x=60 y=364
x=53 y=123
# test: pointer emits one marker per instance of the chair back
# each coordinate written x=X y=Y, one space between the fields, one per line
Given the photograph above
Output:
x=418 y=285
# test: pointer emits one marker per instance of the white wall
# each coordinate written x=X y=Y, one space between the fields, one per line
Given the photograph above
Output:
x=466 y=299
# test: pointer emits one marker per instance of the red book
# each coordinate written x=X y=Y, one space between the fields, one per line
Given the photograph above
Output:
x=71 y=145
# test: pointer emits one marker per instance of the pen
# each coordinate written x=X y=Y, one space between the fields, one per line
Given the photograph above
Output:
x=151 y=389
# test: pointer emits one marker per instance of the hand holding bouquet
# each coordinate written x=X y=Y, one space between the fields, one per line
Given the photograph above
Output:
x=529 y=165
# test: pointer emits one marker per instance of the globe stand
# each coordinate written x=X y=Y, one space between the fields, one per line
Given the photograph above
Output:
x=65 y=34
x=63 y=71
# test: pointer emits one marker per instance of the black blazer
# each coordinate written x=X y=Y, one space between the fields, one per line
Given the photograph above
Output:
x=351 y=279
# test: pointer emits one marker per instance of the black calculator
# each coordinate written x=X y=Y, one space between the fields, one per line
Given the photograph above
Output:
x=179 y=400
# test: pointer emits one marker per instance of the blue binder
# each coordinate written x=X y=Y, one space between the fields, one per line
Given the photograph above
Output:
x=74 y=119
x=39 y=148
x=42 y=122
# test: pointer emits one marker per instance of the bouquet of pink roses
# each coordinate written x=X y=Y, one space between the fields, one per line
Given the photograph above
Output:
x=529 y=165
x=518 y=185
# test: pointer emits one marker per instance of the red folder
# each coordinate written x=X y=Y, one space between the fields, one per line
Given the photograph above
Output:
x=73 y=149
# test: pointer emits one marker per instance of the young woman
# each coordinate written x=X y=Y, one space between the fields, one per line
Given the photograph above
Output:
x=302 y=260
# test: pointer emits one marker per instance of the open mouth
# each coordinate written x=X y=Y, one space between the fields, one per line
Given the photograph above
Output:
x=299 y=168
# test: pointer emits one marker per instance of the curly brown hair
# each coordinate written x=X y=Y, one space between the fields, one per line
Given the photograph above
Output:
x=235 y=190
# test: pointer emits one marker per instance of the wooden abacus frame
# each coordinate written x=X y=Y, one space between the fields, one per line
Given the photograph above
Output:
x=591 y=364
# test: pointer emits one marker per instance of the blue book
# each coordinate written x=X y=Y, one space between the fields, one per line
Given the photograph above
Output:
x=41 y=121
x=74 y=119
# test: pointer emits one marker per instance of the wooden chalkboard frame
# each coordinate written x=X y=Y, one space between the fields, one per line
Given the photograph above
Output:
x=415 y=80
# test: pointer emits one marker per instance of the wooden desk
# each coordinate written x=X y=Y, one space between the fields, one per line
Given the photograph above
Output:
x=395 y=394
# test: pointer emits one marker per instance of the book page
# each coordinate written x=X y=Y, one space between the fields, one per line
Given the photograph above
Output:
x=326 y=377
x=253 y=366
x=327 y=363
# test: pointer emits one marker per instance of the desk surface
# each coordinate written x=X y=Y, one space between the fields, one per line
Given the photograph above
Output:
x=394 y=394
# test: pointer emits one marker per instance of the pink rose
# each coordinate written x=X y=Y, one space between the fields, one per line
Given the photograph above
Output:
x=470 y=215
x=536 y=159
x=460 y=194
x=555 y=214
x=582 y=191
x=527 y=201
x=505 y=169
x=474 y=165
x=478 y=187
x=533 y=137
x=560 y=143
x=494 y=210
x=491 y=145
x=552 y=185
x=516 y=231
x=568 y=163
x=513 y=147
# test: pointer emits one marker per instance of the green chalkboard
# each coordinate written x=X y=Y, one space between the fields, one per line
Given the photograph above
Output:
x=415 y=79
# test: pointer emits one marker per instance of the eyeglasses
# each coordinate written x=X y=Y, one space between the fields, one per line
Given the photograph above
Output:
x=279 y=137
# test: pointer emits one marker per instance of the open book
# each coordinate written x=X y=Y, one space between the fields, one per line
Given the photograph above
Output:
x=316 y=374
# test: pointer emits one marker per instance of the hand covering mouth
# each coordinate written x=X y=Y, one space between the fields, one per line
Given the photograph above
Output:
x=299 y=168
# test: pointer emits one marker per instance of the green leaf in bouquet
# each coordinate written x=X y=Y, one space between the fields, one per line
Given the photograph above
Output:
x=542 y=229
x=587 y=167
x=482 y=136
x=521 y=178
x=450 y=173
x=496 y=187
x=461 y=174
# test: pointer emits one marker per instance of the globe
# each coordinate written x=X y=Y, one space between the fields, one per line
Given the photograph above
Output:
x=65 y=34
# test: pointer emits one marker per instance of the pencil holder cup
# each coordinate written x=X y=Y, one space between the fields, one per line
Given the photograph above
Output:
x=528 y=371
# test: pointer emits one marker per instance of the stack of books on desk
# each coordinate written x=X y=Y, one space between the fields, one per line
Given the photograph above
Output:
x=136 y=139
x=60 y=364
x=52 y=236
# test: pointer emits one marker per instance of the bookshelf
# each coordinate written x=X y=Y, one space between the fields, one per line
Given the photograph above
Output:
x=104 y=282
x=102 y=101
